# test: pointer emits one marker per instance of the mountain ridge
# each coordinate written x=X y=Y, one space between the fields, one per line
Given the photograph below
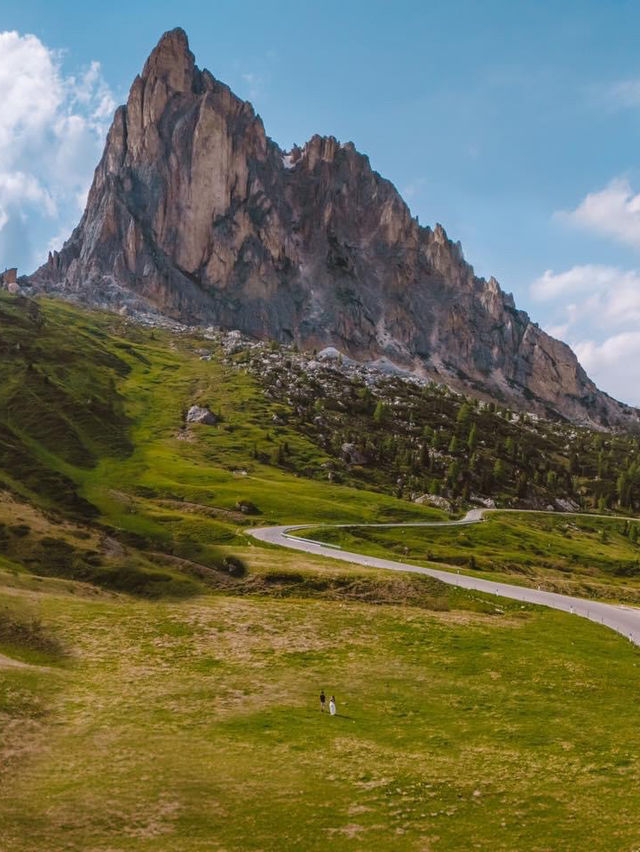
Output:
x=196 y=213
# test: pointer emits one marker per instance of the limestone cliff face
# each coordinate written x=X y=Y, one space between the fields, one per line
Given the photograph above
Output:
x=196 y=212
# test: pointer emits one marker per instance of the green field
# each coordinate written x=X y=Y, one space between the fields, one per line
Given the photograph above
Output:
x=195 y=725
x=172 y=665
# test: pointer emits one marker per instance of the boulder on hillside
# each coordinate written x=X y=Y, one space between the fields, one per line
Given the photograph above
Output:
x=199 y=414
x=247 y=507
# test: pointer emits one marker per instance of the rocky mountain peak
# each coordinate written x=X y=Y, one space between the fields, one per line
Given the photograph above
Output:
x=195 y=213
x=171 y=61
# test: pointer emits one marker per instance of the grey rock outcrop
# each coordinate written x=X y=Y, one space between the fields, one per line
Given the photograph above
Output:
x=199 y=414
x=197 y=214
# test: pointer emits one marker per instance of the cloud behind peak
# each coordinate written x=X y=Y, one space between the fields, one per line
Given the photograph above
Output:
x=51 y=135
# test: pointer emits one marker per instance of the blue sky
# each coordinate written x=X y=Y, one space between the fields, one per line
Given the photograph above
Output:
x=514 y=124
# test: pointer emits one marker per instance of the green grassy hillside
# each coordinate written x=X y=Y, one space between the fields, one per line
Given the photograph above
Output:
x=92 y=429
x=59 y=408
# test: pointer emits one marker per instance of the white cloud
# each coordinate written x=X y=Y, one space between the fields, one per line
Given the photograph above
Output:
x=16 y=187
x=614 y=364
x=596 y=309
x=553 y=284
x=610 y=294
x=31 y=88
x=92 y=92
x=51 y=136
x=612 y=212
x=610 y=351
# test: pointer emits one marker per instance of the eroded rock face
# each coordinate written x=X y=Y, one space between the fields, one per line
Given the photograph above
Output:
x=195 y=211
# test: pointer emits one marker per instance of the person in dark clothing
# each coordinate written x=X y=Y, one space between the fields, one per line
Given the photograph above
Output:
x=322 y=701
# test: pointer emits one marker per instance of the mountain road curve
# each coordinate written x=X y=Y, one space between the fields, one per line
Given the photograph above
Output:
x=623 y=619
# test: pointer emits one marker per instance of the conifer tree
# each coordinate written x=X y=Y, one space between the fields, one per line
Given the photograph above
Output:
x=472 y=440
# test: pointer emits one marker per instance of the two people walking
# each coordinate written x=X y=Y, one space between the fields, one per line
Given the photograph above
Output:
x=332 y=703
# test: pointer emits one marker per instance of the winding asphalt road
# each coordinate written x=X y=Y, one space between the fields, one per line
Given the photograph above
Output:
x=622 y=619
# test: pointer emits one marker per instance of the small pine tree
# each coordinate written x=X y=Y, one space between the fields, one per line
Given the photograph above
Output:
x=464 y=413
x=453 y=471
x=472 y=440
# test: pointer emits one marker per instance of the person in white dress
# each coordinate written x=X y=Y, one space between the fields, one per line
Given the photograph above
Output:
x=332 y=705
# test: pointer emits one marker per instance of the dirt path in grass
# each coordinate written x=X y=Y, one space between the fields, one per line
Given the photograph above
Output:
x=9 y=663
x=623 y=619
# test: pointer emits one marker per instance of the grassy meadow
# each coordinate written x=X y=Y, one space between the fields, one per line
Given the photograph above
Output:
x=195 y=724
